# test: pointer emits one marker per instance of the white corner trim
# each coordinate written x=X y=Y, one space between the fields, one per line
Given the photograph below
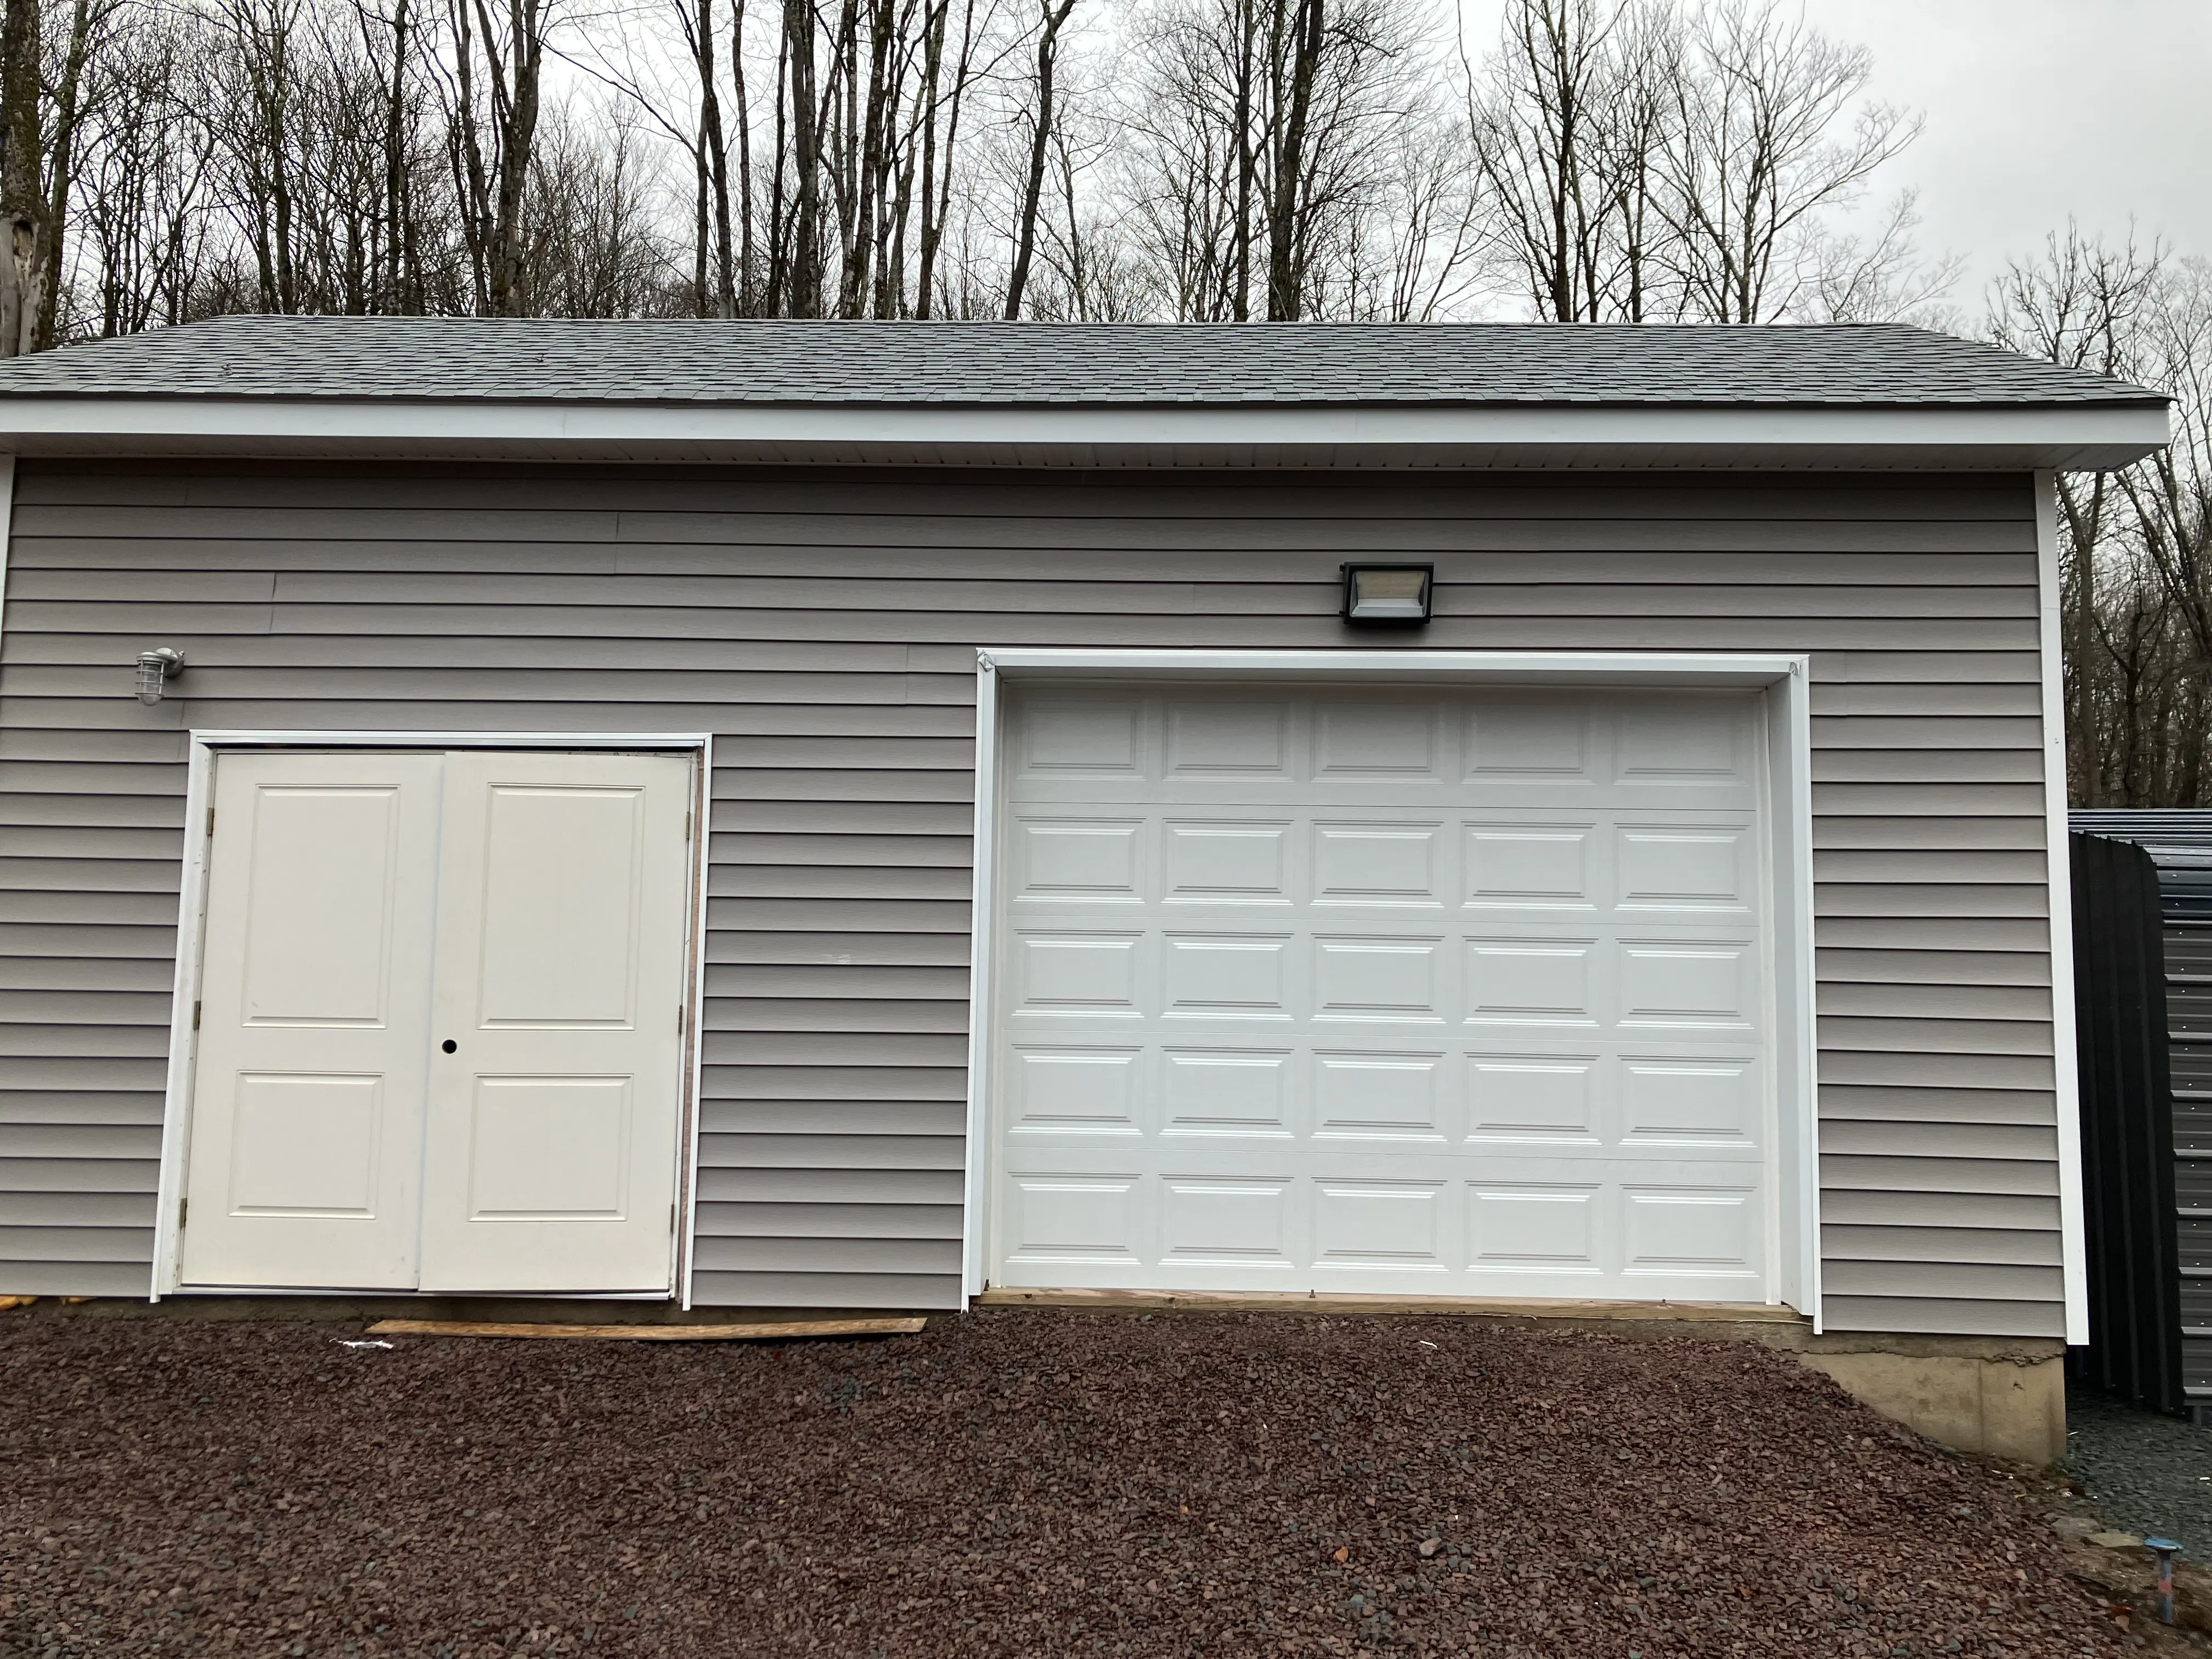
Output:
x=203 y=747
x=1798 y=1069
x=2067 y=1080
x=983 y=900
x=694 y=1033
x=1788 y=677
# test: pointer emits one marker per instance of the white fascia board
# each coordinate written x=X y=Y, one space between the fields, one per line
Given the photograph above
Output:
x=1499 y=667
x=2073 y=436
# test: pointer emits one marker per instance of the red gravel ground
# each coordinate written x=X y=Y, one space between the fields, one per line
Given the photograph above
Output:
x=1007 y=1483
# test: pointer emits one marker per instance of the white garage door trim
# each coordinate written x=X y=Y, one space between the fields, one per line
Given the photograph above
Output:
x=1785 y=678
x=192 y=912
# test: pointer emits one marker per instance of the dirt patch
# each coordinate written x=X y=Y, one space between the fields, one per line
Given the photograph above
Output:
x=1016 y=1483
x=2121 y=1578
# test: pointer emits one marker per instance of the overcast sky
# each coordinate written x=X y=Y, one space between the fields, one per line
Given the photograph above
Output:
x=2036 y=109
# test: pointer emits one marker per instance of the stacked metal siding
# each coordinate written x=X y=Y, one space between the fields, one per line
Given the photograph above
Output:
x=825 y=625
x=2180 y=844
x=2134 y=1349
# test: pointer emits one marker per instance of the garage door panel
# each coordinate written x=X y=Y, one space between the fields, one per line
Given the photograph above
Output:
x=1681 y=984
x=1068 y=973
x=1247 y=1092
x=1534 y=979
x=1520 y=1096
x=1225 y=861
x=1075 y=860
x=1544 y=741
x=1226 y=738
x=1082 y=736
x=1395 y=978
x=1427 y=992
x=1689 y=1230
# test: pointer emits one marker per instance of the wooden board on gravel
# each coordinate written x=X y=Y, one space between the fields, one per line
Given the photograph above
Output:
x=1352 y=1303
x=770 y=1331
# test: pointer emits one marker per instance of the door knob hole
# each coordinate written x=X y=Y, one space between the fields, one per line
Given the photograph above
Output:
x=449 y=1045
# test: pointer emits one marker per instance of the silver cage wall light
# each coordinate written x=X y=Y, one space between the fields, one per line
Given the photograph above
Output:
x=155 y=668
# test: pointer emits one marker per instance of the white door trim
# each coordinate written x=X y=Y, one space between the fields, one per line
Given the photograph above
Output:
x=1786 y=677
x=191 y=914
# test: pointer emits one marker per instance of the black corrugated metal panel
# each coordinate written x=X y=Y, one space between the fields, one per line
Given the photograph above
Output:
x=2179 y=842
x=2136 y=1313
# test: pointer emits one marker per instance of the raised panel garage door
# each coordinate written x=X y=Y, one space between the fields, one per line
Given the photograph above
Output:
x=1426 y=991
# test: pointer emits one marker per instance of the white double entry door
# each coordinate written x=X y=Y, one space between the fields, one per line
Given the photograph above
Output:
x=440 y=1016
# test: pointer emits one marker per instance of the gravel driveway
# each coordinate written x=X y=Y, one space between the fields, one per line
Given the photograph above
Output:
x=2147 y=1473
x=1016 y=1482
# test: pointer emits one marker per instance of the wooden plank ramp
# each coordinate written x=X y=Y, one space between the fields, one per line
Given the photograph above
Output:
x=781 y=1330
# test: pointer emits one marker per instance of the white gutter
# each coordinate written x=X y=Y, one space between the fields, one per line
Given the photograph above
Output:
x=1993 y=436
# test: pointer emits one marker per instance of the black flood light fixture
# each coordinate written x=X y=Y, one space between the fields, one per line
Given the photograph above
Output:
x=1388 y=595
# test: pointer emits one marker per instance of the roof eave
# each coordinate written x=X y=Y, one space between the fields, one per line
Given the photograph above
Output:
x=1985 y=436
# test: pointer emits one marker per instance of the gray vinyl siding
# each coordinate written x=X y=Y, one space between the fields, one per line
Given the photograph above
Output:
x=824 y=628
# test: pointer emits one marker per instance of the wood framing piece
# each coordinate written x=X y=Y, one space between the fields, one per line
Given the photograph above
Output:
x=1492 y=1307
x=772 y=1331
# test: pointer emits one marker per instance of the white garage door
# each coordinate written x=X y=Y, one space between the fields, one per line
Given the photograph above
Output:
x=1418 y=991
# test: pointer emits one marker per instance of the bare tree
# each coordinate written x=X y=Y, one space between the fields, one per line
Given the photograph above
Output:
x=40 y=122
x=2136 y=545
x=1754 y=156
x=1265 y=131
x=498 y=68
x=1200 y=158
x=1537 y=113
x=1052 y=17
x=1879 y=277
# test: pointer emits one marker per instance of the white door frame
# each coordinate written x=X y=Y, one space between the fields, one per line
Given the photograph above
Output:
x=191 y=916
x=1786 y=679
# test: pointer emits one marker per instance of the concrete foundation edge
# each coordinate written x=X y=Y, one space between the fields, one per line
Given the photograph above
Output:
x=2011 y=1406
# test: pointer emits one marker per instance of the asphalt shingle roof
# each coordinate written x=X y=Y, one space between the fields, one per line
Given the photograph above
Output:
x=469 y=360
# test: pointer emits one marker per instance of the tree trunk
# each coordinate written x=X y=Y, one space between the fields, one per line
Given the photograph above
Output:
x=806 y=279
x=1248 y=159
x=1052 y=16
x=517 y=141
x=717 y=164
x=1285 y=275
x=22 y=202
x=745 y=301
x=68 y=113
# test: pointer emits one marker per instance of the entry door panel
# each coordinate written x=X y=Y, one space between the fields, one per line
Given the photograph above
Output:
x=550 y=1135
x=314 y=1033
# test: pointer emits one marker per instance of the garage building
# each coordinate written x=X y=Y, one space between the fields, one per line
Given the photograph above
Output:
x=858 y=815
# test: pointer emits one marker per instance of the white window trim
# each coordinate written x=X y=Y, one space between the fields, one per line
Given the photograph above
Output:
x=191 y=916
x=1786 y=677
x=2065 y=1063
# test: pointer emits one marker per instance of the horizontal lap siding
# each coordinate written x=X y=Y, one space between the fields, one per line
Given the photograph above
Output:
x=824 y=629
